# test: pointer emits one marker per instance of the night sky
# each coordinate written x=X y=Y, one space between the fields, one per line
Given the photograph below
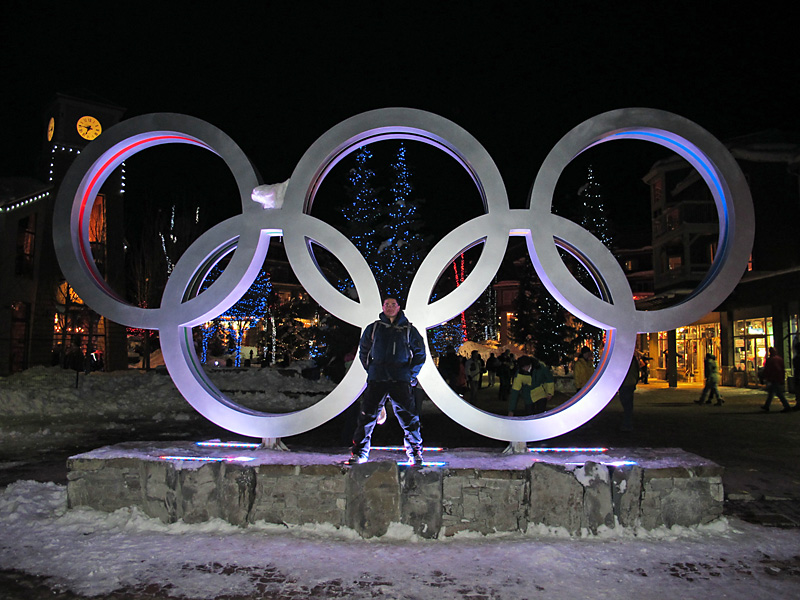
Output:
x=517 y=76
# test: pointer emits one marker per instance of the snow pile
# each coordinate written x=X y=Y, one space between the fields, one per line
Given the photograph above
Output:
x=50 y=392
x=91 y=553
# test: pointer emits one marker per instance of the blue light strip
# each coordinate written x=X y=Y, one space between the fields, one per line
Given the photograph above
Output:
x=228 y=445
x=700 y=159
x=424 y=464
x=567 y=449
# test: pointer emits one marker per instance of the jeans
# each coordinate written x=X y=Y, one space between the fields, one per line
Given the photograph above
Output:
x=404 y=405
x=775 y=389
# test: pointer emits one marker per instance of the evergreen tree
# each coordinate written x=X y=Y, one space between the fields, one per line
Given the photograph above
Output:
x=523 y=327
x=400 y=252
x=591 y=210
x=364 y=213
x=384 y=223
x=591 y=214
x=251 y=308
x=541 y=324
x=554 y=333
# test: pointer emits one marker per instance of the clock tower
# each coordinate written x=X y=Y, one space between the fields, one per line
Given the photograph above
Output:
x=69 y=124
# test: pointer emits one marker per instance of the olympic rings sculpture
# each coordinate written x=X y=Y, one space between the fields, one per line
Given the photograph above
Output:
x=248 y=235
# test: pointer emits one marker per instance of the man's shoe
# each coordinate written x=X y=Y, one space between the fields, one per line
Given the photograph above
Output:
x=764 y=408
x=356 y=460
x=415 y=459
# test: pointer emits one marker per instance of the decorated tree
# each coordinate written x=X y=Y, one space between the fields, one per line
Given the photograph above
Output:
x=251 y=308
x=541 y=324
x=364 y=213
x=383 y=222
x=591 y=214
x=523 y=326
x=400 y=251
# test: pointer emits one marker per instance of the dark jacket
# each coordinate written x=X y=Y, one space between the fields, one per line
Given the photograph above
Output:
x=774 y=371
x=392 y=351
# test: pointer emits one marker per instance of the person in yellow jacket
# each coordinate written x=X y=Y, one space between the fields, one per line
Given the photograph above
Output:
x=583 y=368
x=534 y=383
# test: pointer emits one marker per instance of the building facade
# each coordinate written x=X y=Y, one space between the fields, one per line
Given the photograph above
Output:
x=40 y=314
x=762 y=311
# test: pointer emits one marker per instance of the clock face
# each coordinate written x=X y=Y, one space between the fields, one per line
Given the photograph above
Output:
x=51 y=127
x=89 y=128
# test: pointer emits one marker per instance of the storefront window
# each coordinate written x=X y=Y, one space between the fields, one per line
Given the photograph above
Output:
x=751 y=340
x=692 y=343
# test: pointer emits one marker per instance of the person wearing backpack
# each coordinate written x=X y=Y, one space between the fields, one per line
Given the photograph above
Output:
x=392 y=352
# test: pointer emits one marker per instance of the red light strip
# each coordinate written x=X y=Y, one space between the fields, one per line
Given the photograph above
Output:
x=86 y=253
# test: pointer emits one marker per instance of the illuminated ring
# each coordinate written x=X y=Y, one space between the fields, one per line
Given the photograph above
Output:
x=715 y=165
x=87 y=174
x=249 y=234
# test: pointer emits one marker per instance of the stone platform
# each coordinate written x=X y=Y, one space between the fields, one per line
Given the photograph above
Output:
x=459 y=490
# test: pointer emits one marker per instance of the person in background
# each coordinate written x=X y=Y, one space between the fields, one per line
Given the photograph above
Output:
x=712 y=381
x=774 y=376
x=505 y=373
x=534 y=384
x=473 y=370
x=626 y=391
x=491 y=369
x=449 y=366
x=583 y=368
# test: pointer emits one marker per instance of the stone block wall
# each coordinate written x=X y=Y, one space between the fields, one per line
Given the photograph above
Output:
x=433 y=502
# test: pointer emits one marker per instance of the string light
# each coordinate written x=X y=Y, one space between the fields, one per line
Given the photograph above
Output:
x=23 y=203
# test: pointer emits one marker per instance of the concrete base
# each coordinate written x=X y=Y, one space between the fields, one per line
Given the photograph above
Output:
x=481 y=491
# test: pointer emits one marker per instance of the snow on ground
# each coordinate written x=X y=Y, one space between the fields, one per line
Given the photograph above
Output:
x=51 y=392
x=42 y=409
x=94 y=554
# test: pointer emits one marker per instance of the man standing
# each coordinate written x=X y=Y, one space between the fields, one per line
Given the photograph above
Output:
x=473 y=370
x=626 y=391
x=392 y=352
x=774 y=376
x=583 y=369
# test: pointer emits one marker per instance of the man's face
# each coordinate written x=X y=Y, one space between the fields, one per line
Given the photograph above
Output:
x=391 y=308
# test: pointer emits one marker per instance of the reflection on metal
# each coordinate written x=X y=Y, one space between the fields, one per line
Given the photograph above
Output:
x=567 y=449
x=545 y=233
x=209 y=458
x=248 y=445
x=402 y=449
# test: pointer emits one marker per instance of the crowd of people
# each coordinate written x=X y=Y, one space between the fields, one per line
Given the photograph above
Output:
x=392 y=352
